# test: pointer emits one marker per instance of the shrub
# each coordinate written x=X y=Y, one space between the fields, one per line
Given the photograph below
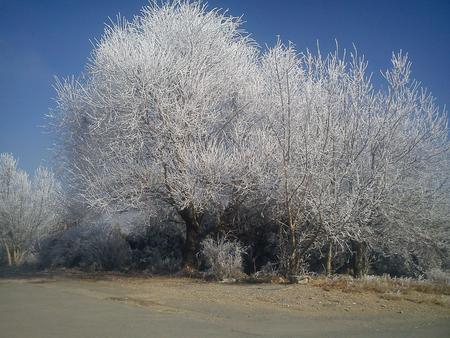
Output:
x=268 y=270
x=438 y=276
x=106 y=249
x=156 y=248
x=96 y=247
x=223 y=256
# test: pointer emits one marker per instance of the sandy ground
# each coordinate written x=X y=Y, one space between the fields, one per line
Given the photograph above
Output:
x=62 y=306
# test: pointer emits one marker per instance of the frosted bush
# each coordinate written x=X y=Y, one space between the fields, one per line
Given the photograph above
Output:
x=438 y=276
x=95 y=247
x=223 y=256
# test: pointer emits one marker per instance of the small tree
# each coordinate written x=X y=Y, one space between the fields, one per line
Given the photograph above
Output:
x=29 y=209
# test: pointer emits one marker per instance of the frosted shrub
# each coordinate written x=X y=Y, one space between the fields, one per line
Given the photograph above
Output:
x=438 y=276
x=106 y=248
x=94 y=247
x=223 y=256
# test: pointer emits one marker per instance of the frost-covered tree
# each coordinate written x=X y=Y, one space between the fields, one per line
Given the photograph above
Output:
x=343 y=154
x=282 y=103
x=414 y=149
x=315 y=110
x=29 y=208
x=156 y=117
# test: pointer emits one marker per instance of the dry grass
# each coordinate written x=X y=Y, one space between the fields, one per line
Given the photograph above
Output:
x=381 y=284
x=385 y=287
x=417 y=291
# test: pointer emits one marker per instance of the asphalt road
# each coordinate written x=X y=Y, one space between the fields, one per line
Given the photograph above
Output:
x=79 y=309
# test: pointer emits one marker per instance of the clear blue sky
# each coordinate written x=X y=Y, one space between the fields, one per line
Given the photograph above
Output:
x=43 y=38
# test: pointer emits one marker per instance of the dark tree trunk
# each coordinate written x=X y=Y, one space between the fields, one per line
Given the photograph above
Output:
x=191 y=244
x=360 y=264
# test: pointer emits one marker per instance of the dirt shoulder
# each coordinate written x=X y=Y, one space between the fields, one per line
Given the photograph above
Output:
x=196 y=308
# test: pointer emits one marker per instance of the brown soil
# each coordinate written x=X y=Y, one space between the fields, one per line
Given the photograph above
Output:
x=238 y=309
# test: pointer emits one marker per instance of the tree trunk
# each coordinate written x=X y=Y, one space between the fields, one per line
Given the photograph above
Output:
x=190 y=247
x=329 y=263
x=8 y=254
x=293 y=259
x=17 y=257
x=359 y=259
